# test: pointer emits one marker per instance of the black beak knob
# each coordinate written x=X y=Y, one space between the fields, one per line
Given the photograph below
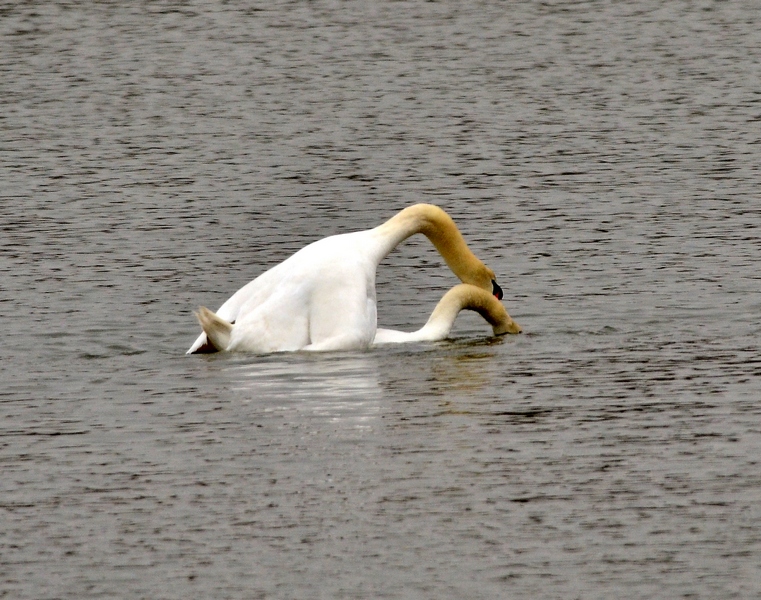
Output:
x=496 y=290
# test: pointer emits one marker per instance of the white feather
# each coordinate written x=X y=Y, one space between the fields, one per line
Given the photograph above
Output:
x=323 y=297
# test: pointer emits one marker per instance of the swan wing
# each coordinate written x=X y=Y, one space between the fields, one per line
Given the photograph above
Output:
x=343 y=313
x=321 y=298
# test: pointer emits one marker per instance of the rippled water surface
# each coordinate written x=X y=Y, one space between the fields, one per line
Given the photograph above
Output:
x=602 y=158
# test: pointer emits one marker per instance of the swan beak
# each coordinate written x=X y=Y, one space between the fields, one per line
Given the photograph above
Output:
x=496 y=290
x=510 y=327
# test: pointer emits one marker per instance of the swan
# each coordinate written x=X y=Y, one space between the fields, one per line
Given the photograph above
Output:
x=460 y=297
x=323 y=296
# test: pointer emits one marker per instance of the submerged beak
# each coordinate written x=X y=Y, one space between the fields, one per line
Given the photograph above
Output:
x=496 y=290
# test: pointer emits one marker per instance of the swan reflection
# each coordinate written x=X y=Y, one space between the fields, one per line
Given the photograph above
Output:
x=336 y=387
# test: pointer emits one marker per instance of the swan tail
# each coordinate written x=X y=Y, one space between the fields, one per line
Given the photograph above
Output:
x=217 y=329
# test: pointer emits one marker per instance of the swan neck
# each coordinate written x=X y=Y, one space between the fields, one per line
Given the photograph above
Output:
x=469 y=297
x=441 y=230
x=460 y=297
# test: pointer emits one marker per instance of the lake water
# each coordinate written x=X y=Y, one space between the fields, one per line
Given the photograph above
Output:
x=602 y=158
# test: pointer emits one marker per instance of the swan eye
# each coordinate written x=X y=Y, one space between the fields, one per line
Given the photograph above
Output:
x=496 y=290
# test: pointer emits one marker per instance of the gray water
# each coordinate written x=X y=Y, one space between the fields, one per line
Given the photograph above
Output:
x=603 y=158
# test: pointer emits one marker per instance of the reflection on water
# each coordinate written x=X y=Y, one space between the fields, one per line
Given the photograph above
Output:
x=335 y=386
x=470 y=365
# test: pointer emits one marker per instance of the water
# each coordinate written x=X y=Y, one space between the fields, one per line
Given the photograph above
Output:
x=602 y=158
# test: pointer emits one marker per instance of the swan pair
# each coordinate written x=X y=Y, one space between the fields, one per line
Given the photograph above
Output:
x=323 y=297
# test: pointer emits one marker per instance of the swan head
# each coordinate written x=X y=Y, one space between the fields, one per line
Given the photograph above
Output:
x=470 y=297
x=506 y=326
x=491 y=309
x=496 y=290
x=483 y=277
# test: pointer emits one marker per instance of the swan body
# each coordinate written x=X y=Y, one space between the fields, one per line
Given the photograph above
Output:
x=323 y=296
x=460 y=297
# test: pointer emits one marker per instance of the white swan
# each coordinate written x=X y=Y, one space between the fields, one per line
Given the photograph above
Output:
x=460 y=297
x=323 y=297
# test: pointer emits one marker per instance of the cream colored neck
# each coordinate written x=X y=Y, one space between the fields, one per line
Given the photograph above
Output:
x=460 y=297
x=470 y=297
x=438 y=227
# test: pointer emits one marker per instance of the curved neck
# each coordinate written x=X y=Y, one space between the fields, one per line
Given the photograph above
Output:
x=438 y=227
x=464 y=296
x=460 y=297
